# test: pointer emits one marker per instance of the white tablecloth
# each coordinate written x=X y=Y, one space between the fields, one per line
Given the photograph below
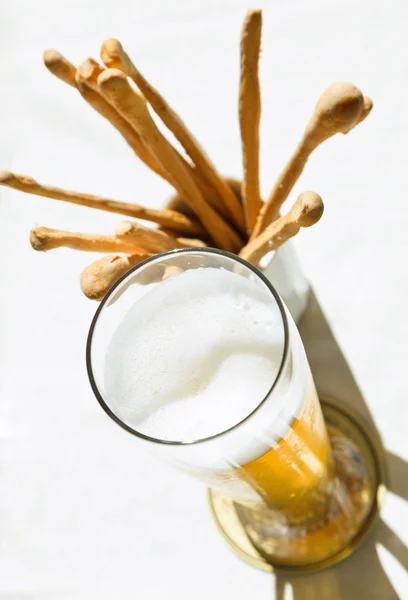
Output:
x=84 y=513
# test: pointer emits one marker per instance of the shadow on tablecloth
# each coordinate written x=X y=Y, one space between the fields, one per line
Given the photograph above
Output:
x=362 y=575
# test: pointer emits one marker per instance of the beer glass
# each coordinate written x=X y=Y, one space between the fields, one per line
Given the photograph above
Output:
x=300 y=494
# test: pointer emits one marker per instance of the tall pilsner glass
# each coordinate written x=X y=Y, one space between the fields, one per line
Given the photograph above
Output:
x=300 y=494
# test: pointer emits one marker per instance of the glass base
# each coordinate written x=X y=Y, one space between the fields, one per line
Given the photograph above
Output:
x=270 y=545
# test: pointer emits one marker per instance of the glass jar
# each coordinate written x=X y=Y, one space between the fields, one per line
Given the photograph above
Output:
x=283 y=270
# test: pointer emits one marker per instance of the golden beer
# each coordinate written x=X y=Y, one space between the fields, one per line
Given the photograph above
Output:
x=292 y=475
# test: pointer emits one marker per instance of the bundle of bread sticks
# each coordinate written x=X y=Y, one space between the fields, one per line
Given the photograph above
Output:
x=208 y=209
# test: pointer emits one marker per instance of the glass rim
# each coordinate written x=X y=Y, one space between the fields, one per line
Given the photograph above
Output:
x=104 y=301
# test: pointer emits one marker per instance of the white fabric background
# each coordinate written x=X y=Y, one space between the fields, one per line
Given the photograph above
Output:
x=84 y=511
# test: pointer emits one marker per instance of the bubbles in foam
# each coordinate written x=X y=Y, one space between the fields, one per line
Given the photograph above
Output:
x=195 y=355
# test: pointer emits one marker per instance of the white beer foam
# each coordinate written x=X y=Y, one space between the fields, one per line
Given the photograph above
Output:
x=195 y=355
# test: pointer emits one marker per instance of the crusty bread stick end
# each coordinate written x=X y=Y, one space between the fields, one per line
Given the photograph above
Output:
x=98 y=277
x=37 y=241
x=111 y=52
x=6 y=177
x=59 y=66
